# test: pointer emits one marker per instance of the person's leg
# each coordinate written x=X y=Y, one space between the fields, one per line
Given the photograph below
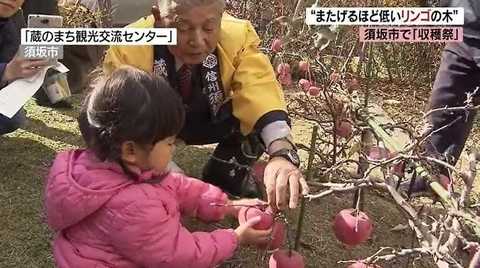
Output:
x=80 y=60
x=230 y=165
x=458 y=74
x=8 y=125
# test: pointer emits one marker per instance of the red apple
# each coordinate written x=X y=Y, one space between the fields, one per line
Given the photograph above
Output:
x=278 y=236
x=283 y=259
x=398 y=168
x=472 y=249
x=345 y=223
x=303 y=66
x=475 y=261
x=360 y=264
x=314 y=91
x=344 y=129
x=278 y=233
x=283 y=68
x=304 y=84
x=285 y=79
x=378 y=153
x=334 y=77
x=266 y=222
x=277 y=45
x=246 y=213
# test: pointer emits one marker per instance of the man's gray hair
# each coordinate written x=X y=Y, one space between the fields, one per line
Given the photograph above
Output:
x=166 y=7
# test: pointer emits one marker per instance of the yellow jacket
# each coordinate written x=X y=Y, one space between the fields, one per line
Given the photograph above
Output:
x=247 y=75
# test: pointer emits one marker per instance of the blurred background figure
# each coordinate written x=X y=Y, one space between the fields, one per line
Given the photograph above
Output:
x=11 y=66
x=458 y=74
x=81 y=60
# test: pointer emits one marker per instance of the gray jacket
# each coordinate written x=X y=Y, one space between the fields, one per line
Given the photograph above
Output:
x=472 y=15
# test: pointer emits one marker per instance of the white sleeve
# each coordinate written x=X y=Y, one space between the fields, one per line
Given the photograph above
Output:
x=275 y=131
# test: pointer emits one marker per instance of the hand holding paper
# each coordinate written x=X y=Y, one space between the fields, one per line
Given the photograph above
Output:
x=16 y=94
x=23 y=68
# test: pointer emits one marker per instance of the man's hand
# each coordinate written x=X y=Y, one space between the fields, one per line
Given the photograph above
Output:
x=22 y=68
x=282 y=176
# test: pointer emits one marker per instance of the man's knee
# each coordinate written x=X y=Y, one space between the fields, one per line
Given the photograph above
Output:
x=229 y=166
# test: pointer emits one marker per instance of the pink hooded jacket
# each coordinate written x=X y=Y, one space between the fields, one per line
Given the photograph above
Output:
x=104 y=219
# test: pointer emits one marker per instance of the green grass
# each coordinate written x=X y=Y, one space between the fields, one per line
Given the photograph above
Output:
x=25 y=157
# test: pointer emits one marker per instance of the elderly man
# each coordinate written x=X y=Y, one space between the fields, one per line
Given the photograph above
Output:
x=230 y=93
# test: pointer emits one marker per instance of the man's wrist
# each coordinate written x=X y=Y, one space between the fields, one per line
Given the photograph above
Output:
x=279 y=144
x=287 y=154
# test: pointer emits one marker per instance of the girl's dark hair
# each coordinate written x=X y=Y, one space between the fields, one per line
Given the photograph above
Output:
x=131 y=105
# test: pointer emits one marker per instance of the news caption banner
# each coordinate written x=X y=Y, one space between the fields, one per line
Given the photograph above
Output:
x=37 y=42
x=395 y=24
x=47 y=43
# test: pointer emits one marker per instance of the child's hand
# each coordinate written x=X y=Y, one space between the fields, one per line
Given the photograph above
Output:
x=235 y=205
x=22 y=68
x=248 y=236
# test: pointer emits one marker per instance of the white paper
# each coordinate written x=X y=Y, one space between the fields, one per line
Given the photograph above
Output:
x=17 y=93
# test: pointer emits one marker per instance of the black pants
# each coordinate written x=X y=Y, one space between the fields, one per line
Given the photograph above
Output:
x=228 y=166
x=458 y=74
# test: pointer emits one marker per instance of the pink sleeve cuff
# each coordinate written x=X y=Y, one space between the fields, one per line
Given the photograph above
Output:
x=211 y=205
x=229 y=243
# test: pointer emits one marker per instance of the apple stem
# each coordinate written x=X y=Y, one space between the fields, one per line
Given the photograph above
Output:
x=236 y=205
x=309 y=175
x=359 y=194
x=357 y=209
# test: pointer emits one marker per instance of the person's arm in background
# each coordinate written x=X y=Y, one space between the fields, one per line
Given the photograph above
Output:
x=258 y=102
x=20 y=68
x=3 y=83
x=15 y=67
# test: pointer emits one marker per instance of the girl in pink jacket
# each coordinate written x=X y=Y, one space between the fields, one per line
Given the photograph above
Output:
x=116 y=205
